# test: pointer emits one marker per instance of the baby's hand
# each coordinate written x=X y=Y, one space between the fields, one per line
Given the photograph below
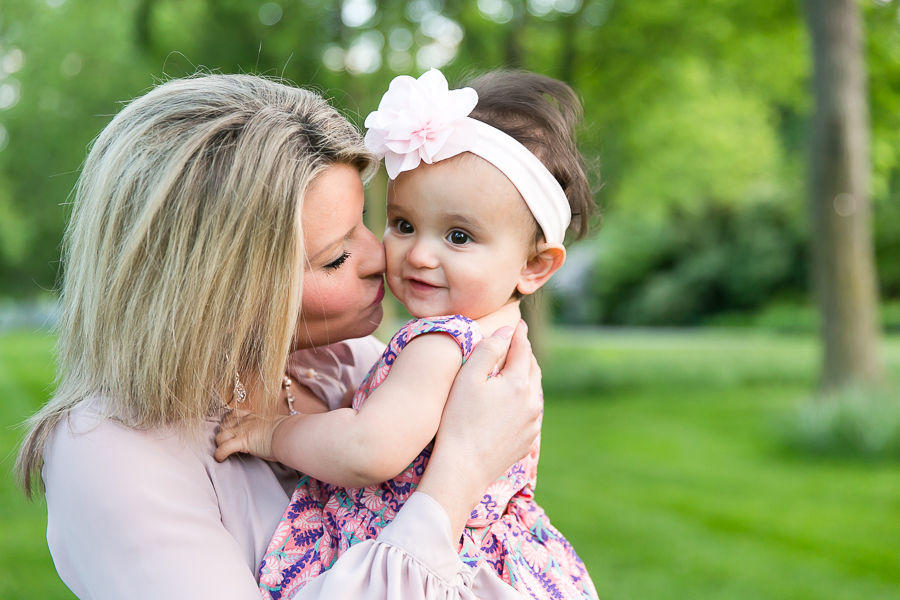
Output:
x=243 y=431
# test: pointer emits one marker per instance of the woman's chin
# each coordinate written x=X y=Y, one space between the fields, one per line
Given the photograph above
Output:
x=321 y=335
x=374 y=320
x=366 y=324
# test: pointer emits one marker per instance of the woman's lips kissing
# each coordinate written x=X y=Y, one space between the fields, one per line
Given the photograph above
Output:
x=379 y=296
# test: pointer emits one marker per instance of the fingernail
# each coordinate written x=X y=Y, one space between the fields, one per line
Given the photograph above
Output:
x=504 y=332
x=524 y=324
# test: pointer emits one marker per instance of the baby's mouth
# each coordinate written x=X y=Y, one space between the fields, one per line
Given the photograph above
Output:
x=421 y=286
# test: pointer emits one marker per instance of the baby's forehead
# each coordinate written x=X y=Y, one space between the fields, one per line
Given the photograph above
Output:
x=469 y=185
x=496 y=192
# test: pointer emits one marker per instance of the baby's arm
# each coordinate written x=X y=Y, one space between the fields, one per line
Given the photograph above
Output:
x=355 y=449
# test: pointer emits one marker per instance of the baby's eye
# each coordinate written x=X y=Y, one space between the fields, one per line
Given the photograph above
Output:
x=458 y=238
x=404 y=226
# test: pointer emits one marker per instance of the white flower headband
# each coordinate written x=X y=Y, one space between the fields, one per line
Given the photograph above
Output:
x=423 y=120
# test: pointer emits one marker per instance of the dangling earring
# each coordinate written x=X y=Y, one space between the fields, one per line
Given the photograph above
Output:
x=239 y=391
x=286 y=384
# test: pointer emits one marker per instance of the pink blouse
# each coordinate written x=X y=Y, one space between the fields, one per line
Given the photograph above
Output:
x=146 y=515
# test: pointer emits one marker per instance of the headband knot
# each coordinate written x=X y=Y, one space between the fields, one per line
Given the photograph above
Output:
x=423 y=120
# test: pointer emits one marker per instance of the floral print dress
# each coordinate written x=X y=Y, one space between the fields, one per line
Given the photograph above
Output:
x=507 y=532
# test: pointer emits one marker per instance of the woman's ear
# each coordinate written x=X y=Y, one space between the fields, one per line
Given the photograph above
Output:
x=540 y=267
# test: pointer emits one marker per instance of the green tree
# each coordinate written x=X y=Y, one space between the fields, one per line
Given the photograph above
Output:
x=694 y=110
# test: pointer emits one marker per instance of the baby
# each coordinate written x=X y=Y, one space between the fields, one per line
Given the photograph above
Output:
x=485 y=182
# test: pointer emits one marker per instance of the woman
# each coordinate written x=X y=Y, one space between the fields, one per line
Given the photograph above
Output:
x=217 y=227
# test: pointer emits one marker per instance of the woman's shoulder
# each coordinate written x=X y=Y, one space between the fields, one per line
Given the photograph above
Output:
x=101 y=475
x=92 y=427
x=92 y=445
x=114 y=492
x=95 y=454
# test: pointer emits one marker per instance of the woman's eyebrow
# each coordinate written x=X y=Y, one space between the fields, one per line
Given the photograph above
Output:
x=328 y=248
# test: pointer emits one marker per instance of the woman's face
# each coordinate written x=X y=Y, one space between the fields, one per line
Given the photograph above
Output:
x=343 y=282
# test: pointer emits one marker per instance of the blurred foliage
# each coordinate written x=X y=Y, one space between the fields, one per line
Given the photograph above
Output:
x=695 y=112
x=784 y=316
x=678 y=270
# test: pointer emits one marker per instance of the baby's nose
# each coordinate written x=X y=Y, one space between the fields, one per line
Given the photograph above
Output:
x=422 y=255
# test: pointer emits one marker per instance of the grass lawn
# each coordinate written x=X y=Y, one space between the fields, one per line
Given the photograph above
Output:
x=661 y=464
x=26 y=571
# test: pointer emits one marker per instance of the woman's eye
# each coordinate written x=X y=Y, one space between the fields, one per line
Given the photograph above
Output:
x=404 y=226
x=459 y=238
x=336 y=264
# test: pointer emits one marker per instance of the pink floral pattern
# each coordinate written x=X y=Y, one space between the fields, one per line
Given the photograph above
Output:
x=507 y=532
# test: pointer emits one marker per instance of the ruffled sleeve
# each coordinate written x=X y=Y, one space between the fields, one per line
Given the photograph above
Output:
x=414 y=558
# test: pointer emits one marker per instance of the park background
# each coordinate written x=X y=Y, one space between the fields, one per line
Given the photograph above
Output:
x=693 y=445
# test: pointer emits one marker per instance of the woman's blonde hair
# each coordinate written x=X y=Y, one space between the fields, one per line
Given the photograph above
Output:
x=183 y=258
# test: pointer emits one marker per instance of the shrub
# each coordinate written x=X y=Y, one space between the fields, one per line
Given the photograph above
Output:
x=797 y=317
x=789 y=318
x=690 y=266
x=855 y=421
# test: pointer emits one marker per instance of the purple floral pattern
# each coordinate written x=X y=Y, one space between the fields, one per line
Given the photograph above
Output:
x=507 y=532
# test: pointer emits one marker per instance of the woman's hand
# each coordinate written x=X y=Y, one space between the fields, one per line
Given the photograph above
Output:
x=243 y=431
x=487 y=425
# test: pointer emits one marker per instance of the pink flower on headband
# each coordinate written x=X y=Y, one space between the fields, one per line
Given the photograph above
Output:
x=421 y=120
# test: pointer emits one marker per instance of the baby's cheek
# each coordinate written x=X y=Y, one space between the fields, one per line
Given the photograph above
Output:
x=393 y=254
x=477 y=297
x=394 y=261
x=394 y=284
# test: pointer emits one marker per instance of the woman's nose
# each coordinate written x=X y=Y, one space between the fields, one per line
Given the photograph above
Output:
x=373 y=262
x=421 y=255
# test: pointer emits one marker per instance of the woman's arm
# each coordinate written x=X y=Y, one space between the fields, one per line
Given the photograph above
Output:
x=355 y=449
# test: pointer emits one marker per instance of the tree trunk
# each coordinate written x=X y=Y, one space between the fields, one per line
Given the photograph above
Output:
x=842 y=248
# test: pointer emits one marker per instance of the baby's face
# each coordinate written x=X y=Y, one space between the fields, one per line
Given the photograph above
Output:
x=458 y=236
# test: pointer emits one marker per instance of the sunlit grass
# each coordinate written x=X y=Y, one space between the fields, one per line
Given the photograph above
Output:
x=661 y=462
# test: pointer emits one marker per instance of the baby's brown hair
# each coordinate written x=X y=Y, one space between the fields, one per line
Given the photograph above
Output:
x=541 y=113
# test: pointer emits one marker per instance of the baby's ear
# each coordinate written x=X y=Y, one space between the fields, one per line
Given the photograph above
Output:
x=540 y=267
